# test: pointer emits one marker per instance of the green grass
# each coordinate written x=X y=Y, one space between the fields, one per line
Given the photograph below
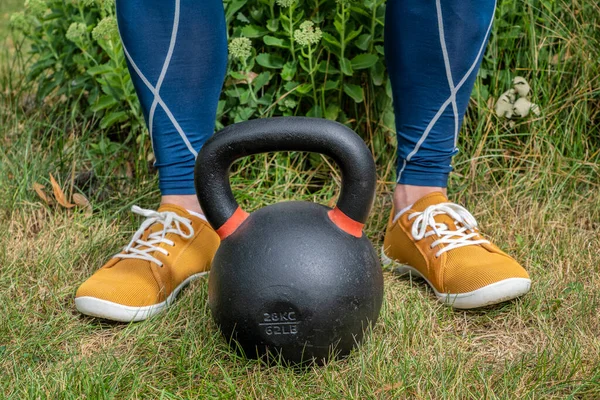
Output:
x=534 y=189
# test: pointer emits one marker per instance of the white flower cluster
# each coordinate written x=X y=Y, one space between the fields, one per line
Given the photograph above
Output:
x=19 y=21
x=307 y=34
x=109 y=5
x=106 y=29
x=240 y=48
x=77 y=32
x=515 y=101
x=36 y=8
x=285 y=3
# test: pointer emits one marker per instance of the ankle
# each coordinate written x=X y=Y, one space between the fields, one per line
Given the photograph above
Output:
x=189 y=202
x=407 y=195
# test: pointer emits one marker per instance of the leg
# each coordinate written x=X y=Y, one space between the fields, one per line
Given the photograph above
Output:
x=433 y=51
x=177 y=56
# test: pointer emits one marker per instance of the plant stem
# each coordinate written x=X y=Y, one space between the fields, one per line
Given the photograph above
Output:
x=312 y=73
x=291 y=31
x=342 y=16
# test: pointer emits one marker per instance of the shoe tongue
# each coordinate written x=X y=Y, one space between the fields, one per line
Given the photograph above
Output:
x=429 y=200
x=167 y=207
x=433 y=199
x=174 y=208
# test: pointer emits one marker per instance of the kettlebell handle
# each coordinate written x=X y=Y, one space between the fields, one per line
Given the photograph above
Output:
x=314 y=135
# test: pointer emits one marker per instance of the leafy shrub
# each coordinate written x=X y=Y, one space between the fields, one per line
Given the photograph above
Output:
x=308 y=57
x=80 y=59
x=287 y=57
x=319 y=58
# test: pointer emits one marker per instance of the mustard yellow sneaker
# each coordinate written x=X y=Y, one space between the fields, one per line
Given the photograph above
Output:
x=439 y=242
x=172 y=248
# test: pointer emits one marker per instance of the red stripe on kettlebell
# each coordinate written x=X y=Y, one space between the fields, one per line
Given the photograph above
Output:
x=230 y=226
x=346 y=223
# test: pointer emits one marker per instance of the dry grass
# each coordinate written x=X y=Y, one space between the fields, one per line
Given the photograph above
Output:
x=543 y=345
x=533 y=189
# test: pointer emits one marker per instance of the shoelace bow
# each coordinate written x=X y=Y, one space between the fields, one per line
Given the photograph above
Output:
x=171 y=222
x=465 y=235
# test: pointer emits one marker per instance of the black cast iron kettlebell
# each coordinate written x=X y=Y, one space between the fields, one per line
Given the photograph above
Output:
x=295 y=279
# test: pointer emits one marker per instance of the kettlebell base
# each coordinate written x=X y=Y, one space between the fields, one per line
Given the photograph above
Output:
x=292 y=357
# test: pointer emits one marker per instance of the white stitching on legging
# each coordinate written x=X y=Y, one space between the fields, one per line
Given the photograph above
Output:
x=450 y=99
x=155 y=90
x=165 y=67
x=438 y=7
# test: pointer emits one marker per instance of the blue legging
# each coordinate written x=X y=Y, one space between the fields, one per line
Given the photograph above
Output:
x=177 y=56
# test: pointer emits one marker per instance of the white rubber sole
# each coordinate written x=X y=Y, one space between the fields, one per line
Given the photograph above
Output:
x=495 y=293
x=100 y=308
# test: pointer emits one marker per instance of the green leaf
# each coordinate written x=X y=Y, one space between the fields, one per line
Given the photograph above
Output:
x=233 y=93
x=330 y=85
x=233 y=7
x=339 y=26
x=113 y=118
x=273 y=41
x=331 y=39
x=363 y=41
x=346 y=67
x=315 y=112
x=273 y=25
x=378 y=73
x=360 y=10
x=269 y=60
x=261 y=80
x=291 y=85
x=305 y=88
x=100 y=69
x=242 y=18
x=266 y=100
x=221 y=107
x=243 y=114
x=327 y=68
x=47 y=87
x=304 y=65
x=40 y=66
x=363 y=61
x=332 y=112
x=254 y=31
x=238 y=75
x=353 y=34
x=244 y=96
x=388 y=89
x=354 y=91
x=389 y=120
x=103 y=103
x=289 y=71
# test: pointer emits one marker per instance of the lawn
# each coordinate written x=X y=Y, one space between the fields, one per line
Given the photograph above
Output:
x=533 y=188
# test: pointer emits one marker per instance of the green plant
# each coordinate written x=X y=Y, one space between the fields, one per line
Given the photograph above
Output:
x=79 y=60
x=292 y=61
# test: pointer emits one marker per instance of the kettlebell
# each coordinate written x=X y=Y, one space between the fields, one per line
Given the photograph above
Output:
x=296 y=280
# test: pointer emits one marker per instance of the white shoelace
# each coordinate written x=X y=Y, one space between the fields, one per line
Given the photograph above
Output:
x=465 y=222
x=171 y=222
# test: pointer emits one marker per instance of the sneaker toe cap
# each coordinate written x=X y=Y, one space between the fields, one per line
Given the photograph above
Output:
x=473 y=273
x=122 y=287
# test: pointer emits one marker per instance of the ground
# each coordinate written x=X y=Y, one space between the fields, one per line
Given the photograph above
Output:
x=533 y=188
